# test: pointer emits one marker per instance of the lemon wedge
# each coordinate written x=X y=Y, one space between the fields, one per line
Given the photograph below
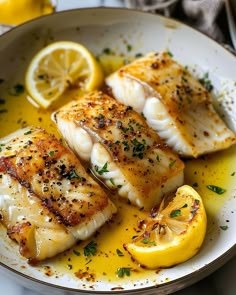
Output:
x=14 y=12
x=174 y=234
x=58 y=67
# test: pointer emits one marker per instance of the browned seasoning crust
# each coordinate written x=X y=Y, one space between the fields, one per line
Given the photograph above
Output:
x=47 y=169
x=132 y=144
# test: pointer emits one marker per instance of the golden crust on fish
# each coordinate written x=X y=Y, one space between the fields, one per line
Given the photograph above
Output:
x=124 y=152
x=176 y=105
x=48 y=179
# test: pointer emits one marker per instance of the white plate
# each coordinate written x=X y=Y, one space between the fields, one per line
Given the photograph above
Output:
x=117 y=28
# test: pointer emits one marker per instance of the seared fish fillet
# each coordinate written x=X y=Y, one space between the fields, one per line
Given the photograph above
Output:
x=124 y=152
x=47 y=200
x=175 y=104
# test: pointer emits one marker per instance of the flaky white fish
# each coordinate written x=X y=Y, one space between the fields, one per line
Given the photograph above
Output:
x=175 y=104
x=124 y=152
x=47 y=199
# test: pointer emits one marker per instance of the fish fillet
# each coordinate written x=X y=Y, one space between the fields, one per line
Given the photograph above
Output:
x=47 y=199
x=124 y=152
x=175 y=104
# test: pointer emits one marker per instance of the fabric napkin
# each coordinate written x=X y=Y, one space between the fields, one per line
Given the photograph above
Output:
x=201 y=14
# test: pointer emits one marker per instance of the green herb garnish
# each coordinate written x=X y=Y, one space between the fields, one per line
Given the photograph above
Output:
x=119 y=253
x=138 y=148
x=147 y=242
x=77 y=253
x=51 y=153
x=17 y=89
x=123 y=271
x=206 y=82
x=216 y=189
x=90 y=249
x=171 y=164
x=102 y=170
x=224 y=227
x=28 y=132
x=175 y=213
x=107 y=50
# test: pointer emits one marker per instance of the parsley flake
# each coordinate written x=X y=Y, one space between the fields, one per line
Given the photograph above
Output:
x=51 y=153
x=28 y=132
x=216 y=189
x=77 y=253
x=175 y=213
x=224 y=227
x=102 y=170
x=119 y=253
x=123 y=271
x=90 y=249
x=171 y=164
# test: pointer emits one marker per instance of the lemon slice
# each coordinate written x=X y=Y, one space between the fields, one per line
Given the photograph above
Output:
x=174 y=235
x=59 y=66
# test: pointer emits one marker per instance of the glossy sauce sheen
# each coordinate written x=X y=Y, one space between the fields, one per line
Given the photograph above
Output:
x=216 y=169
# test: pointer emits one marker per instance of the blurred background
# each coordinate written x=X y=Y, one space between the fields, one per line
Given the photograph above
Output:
x=215 y=18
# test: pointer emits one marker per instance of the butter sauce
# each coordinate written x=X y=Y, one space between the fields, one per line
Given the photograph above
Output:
x=217 y=169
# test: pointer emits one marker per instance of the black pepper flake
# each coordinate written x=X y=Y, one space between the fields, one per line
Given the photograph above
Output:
x=155 y=65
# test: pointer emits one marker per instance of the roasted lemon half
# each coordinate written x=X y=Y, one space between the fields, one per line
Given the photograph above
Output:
x=175 y=232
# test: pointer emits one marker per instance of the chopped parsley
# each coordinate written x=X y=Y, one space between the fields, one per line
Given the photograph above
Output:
x=129 y=47
x=77 y=253
x=224 y=227
x=123 y=271
x=90 y=249
x=112 y=181
x=216 y=189
x=102 y=170
x=138 y=148
x=119 y=253
x=126 y=145
x=171 y=164
x=17 y=90
x=28 y=132
x=51 y=153
x=175 y=213
x=107 y=51
x=137 y=55
x=147 y=242
x=170 y=53
x=73 y=175
x=206 y=82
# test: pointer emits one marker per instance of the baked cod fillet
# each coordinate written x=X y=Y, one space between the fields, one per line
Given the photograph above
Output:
x=124 y=152
x=47 y=200
x=175 y=104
